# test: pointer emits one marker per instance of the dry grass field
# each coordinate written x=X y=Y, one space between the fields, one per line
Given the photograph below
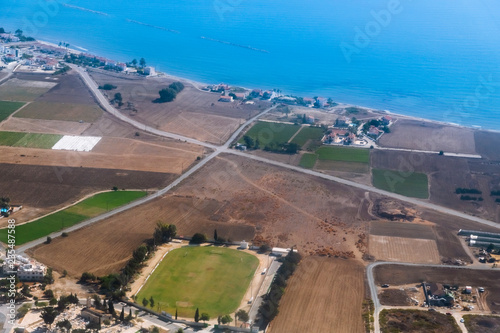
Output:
x=431 y=136
x=70 y=90
x=23 y=90
x=60 y=111
x=402 y=229
x=14 y=124
x=487 y=144
x=399 y=275
x=386 y=248
x=41 y=189
x=482 y=324
x=193 y=113
x=324 y=294
x=112 y=153
x=416 y=321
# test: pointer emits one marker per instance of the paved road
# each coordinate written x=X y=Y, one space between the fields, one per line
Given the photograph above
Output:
x=254 y=309
x=373 y=287
x=11 y=68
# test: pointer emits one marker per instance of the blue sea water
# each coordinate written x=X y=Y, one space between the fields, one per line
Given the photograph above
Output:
x=431 y=59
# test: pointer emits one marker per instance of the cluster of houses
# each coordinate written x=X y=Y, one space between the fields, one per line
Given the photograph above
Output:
x=26 y=269
x=35 y=56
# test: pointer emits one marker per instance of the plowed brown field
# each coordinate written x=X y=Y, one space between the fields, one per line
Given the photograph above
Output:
x=323 y=295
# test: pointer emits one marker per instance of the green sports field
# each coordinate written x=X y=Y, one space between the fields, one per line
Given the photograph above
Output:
x=308 y=133
x=413 y=185
x=8 y=108
x=93 y=206
x=29 y=140
x=269 y=132
x=210 y=278
x=334 y=153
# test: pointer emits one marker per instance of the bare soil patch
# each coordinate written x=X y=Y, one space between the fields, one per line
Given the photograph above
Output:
x=430 y=136
x=60 y=111
x=487 y=144
x=328 y=292
x=70 y=89
x=399 y=275
x=41 y=189
x=402 y=249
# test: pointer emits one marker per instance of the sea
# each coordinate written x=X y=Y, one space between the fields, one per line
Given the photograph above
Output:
x=438 y=60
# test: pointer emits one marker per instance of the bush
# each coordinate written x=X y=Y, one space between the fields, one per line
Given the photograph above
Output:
x=107 y=86
x=49 y=240
x=166 y=95
x=198 y=238
x=461 y=190
x=64 y=234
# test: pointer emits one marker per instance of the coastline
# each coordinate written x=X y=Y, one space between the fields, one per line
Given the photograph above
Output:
x=198 y=85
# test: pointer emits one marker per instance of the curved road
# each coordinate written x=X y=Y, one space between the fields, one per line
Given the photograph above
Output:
x=373 y=287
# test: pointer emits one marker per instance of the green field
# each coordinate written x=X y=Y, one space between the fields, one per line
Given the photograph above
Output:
x=60 y=111
x=308 y=160
x=210 y=278
x=13 y=92
x=93 y=206
x=413 y=185
x=29 y=140
x=334 y=153
x=268 y=132
x=308 y=133
x=351 y=167
x=8 y=108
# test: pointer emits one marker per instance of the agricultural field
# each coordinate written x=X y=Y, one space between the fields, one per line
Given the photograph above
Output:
x=395 y=274
x=27 y=125
x=418 y=135
x=271 y=133
x=328 y=292
x=112 y=153
x=308 y=133
x=482 y=324
x=487 y=144
x=242 y=199
x=308 y=160
x=43 y=189
x=402 y=229
x=28 y=140
x=61 y=111
x=402 y=249
x=213 y=279
x=8 y=108
x=96 y=205
x=344 y=154
x=23 y=90
x=413 y=185
x=394 y=297
x=412 y=321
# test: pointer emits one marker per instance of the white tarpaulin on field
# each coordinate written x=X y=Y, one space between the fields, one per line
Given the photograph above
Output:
x=77 y=143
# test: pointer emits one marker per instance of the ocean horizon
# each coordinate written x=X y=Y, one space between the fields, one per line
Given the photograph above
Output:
x=426 y=59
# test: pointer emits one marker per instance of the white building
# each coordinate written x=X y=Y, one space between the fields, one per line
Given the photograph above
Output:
x=149 y=71
x=31 y=272
x=278 y=251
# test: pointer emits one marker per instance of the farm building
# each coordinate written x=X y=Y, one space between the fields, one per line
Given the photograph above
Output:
x=485 y=239
x=483 y=244
x=278 y=251
x=463 y=232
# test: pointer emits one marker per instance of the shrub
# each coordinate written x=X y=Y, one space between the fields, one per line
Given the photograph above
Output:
x=198 y=238
x=177 y=86
x=107 y=86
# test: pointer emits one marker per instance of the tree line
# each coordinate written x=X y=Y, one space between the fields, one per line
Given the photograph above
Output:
x=170 y=93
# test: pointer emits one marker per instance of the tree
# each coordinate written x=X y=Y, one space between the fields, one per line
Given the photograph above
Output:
x=111 y=307
x=2 y=30
x=49 y=240
x=197 y=315
x=166 y=95
x=219 y=319
x=155 y=329
x=264 y=248
x=490 y=248
x=142 y=62
x=204 y=316
x=151 y=302
x=248 y=141
x=242 y=315
x=134 y=62
x=19 y=32
x=118 y=97
x=53 y=301
x=226 y=319
x=48 y=293
x=66 y=324
x=180 y=330
x=175 y=313
x=48 y=315
x=129 y=317
x=215 y=235
x=145 y=302
x=441 y=153
x=198 y=238
x=122 y=314
x=177 y=86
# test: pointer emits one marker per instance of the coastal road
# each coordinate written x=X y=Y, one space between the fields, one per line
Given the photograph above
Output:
x=373 y=287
